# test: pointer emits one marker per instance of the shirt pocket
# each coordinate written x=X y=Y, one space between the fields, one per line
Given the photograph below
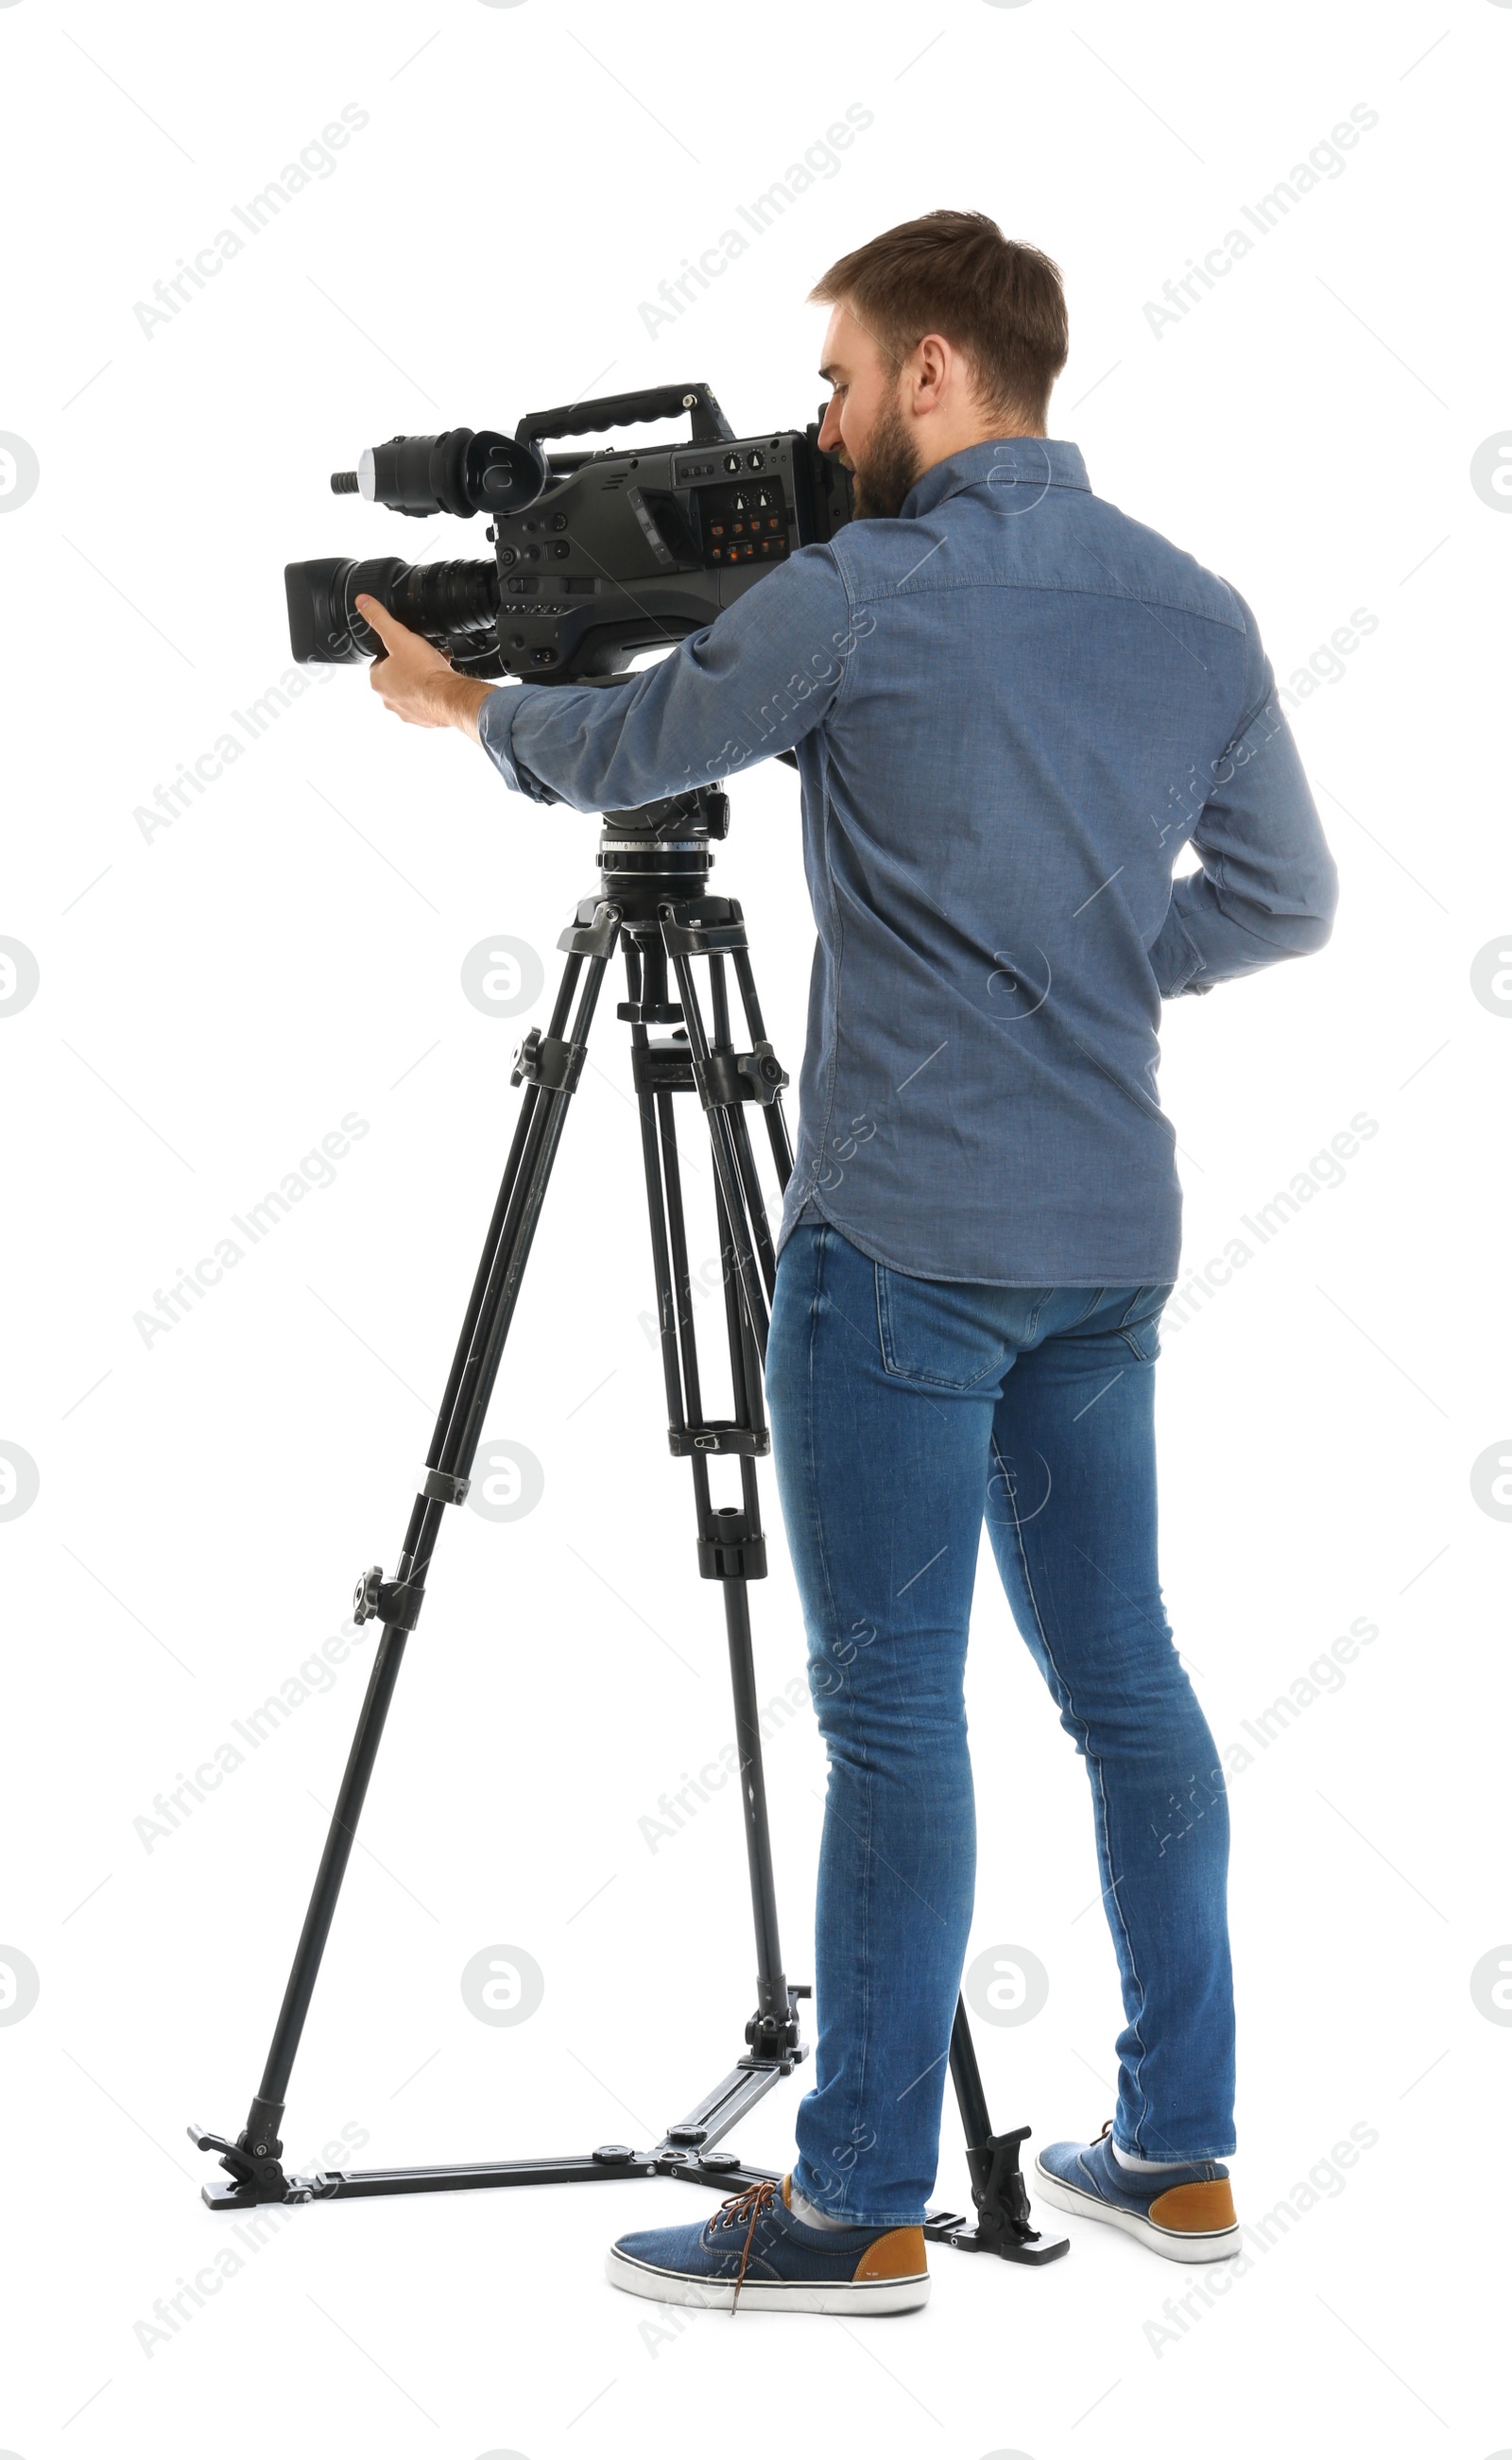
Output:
x=1141 y=1323
x=950 y=1336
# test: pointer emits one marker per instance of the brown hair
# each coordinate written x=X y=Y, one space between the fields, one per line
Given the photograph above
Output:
x=1000 y=303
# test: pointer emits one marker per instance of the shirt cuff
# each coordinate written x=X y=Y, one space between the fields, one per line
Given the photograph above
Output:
x=496 y=728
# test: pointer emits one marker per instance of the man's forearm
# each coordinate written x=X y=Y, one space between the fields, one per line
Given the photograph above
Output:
x=1268 y=886
x=462 y=697
x=415 y=682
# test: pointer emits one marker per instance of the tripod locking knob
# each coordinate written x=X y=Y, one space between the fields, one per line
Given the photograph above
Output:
x=396 y=1603
x=763 y=1072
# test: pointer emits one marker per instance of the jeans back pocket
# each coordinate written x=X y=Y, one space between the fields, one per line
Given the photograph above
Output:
x=951 y=1335
x=1141 y=1323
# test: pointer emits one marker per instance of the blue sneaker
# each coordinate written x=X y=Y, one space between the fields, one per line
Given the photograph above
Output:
x=1185 y=2213
x=756 y=2252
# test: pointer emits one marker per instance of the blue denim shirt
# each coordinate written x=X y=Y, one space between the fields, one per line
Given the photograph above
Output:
x=1011 y=708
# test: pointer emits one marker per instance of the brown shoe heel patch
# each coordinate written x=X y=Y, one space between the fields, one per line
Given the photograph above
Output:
x=898 y=2255
x=1202 y=2204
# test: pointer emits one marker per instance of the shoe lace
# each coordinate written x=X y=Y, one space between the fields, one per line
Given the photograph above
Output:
x=747 y=2206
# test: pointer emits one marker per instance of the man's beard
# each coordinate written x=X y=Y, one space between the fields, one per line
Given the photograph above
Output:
x=889 y=470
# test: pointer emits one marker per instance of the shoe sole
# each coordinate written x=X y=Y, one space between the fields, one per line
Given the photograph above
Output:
x=1179 y=2246
x=775 y=2296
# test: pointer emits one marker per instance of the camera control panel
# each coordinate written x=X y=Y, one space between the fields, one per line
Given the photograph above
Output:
x=742 y=493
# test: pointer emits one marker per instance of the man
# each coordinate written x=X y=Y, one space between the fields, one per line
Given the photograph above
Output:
x=1012 y=708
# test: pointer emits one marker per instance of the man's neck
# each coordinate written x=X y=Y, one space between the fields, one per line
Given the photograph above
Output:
x=929 y=457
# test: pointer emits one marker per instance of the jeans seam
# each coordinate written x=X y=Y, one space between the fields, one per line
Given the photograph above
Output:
x=864 y=2028
x=883 y=1316
x=1096 y=1763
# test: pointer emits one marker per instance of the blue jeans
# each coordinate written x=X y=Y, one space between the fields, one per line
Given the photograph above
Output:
x=903 y=1410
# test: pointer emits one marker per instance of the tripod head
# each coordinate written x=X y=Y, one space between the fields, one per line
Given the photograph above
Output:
x=659 y=852
x=661 y=849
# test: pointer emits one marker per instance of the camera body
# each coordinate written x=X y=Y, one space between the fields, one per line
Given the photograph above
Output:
x=598 y=556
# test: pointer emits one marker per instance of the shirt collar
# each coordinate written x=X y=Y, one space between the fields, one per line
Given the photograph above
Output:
x=1024 y=463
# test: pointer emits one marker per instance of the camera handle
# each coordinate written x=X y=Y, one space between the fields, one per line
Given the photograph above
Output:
x=708 y=423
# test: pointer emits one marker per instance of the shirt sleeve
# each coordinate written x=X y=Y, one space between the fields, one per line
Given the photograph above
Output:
x=1266 y=886
x=750 y=684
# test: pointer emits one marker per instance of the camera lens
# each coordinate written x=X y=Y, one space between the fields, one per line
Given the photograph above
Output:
x=445 y=601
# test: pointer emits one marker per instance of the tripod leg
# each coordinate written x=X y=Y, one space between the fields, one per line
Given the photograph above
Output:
x=722 y=1143
x=774 y=2016
x=997 y=2184
x=966 y=2077
x=776 y=1124
x=529 y=1104
x=550 y=1066
x=731 y=1548
x=735 y=1119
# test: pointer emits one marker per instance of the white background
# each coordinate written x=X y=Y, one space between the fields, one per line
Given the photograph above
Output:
x=212 y=1001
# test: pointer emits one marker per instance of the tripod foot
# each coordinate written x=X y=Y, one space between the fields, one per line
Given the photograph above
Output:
x=255 y=2169
x=774 y=2036
x=1002 y=2208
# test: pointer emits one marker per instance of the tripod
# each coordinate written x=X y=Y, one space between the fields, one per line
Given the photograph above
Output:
x=653 y=862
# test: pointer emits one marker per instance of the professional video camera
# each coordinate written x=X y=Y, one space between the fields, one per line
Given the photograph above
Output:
x=597 y=554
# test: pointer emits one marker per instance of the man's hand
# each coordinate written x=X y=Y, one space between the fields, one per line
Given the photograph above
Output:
x=416 y=681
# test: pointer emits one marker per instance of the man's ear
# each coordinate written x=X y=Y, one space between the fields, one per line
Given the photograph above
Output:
x=934 y=360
